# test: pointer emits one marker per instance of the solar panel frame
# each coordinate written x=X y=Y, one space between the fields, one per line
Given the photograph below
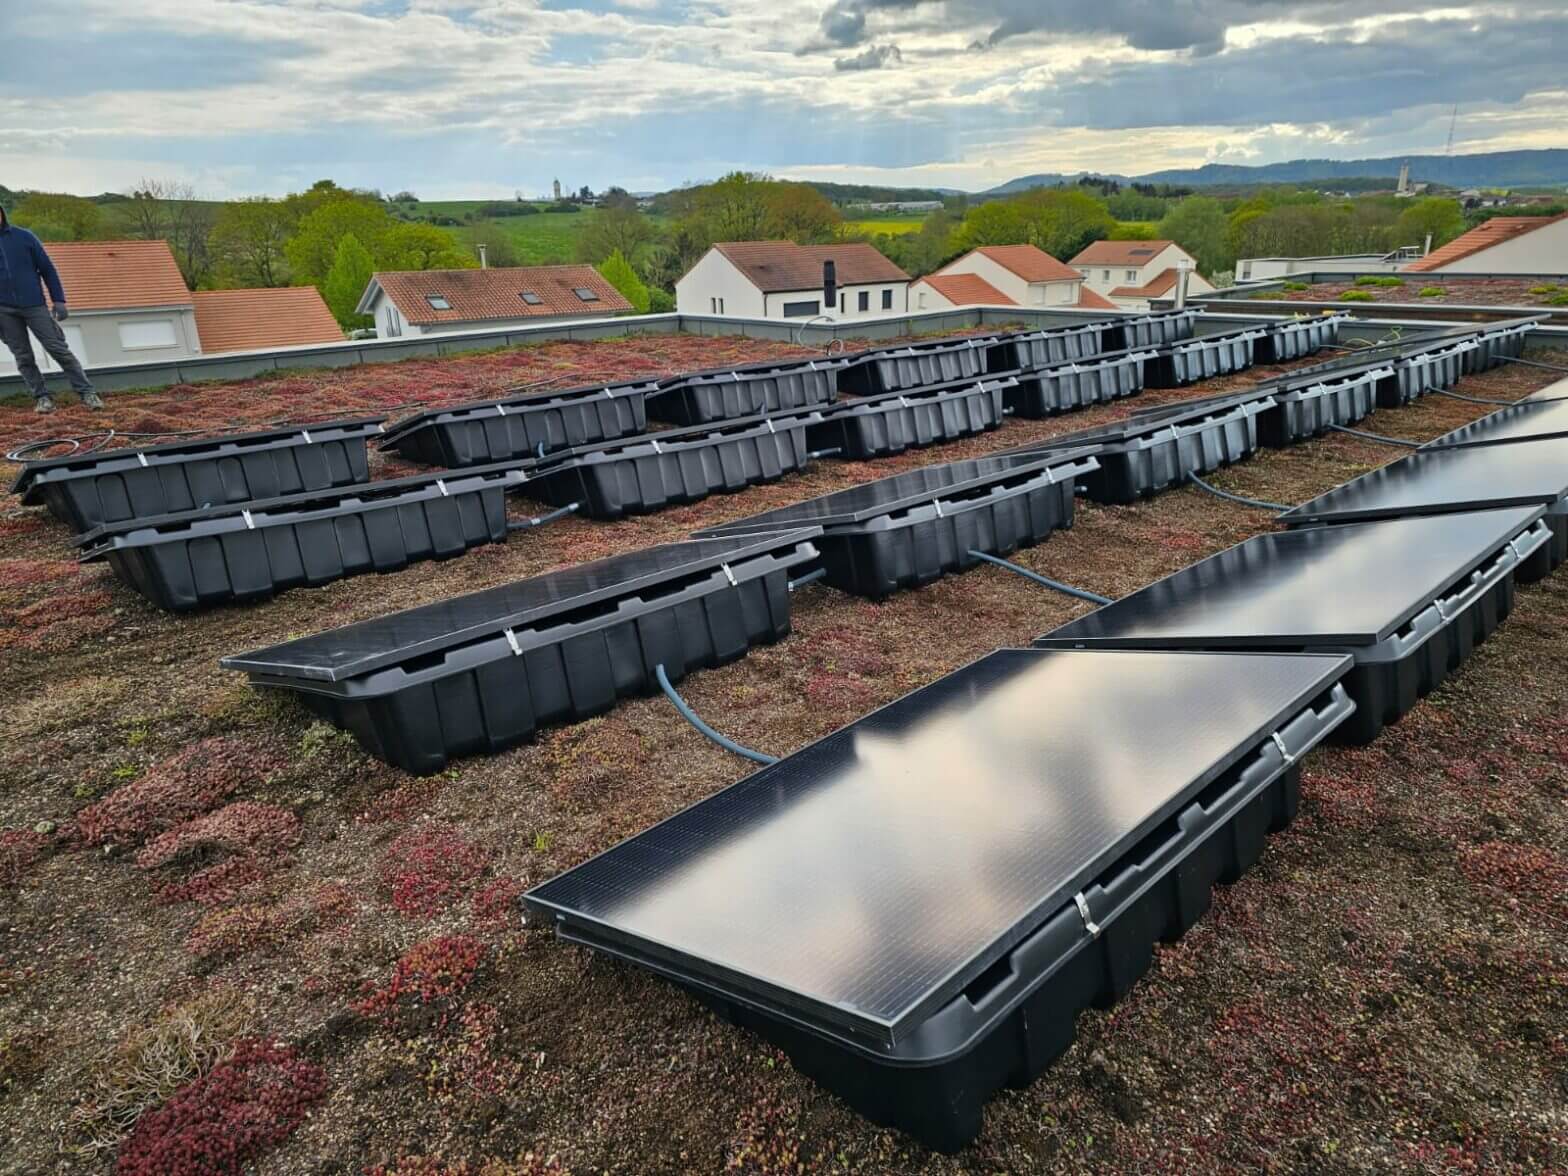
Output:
x=691 y=557
x=831 y=1016
x=1530 y=420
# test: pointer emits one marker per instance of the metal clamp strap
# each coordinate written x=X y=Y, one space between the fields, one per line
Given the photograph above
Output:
x=771 y=427
x=142 y=459
x=511 y=639
x=250 y=523
x=1284 y=752
x=1442 y=611
x=729 y=575
x=441 y=485
x=1089 y=924
x=500 y=410
x=656 y=447
x=938 y=505
x=305 y=433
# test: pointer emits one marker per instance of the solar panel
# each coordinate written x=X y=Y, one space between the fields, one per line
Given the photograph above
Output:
x=857 y=504
x=1288 y=588
x=1531 y=420
x=521 y=426
x=1556 y=391
x=860 y=884
x=338 y=654
x=1440 y=481
x=483 y=672
x=114 y=485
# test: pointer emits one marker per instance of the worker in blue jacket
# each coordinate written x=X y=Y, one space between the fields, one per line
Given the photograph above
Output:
x=24 y=271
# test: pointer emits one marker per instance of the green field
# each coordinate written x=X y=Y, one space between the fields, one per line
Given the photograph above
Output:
x=544 y=238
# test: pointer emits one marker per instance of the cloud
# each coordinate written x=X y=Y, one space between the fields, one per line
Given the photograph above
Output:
x=874 y=57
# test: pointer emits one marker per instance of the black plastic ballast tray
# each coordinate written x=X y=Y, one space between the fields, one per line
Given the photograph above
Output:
x=638 y=475
x=1443 y=481
x=250 y=552
x=1146 y=454
x=727 y=394
x=911 y=528
x=482 y=672
x=914 y=365
x=917 y=908
x=1530 y=420
x=1497 y=342
x=1190 y=360
x=522 y=426
x=1408 y=599
x=1422 y=371
x=113 y=485
x=1297 y=338
x=1047 y=347
x=1150 y=330
x=1044 y=392
x=891 y=422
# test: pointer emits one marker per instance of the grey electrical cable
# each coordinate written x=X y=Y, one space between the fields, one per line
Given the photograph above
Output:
x=808 y=578
x=1377 y=437
x=691 y=717
x=1045 y=581
x=1535 y=363
x=541 y=520
x=1259 y=503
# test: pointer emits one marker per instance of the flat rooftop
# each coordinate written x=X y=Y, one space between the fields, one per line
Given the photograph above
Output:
x=1385 y=990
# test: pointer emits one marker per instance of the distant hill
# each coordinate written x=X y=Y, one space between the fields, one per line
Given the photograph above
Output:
x=1487 y=169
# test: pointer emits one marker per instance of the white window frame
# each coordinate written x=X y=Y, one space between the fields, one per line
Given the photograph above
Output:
x=132 y=324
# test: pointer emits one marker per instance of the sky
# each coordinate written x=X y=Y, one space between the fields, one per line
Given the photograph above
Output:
x=485 y=98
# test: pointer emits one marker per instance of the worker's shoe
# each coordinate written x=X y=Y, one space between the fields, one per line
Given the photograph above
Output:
x=92 y=400
x=43 y=404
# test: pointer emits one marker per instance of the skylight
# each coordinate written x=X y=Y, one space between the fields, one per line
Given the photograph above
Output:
x=586 y=294
x=531 y=298
x=438 y=302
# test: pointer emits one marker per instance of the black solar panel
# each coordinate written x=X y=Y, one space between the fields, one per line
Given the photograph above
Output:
x=1439 y=481
x=862 y=882
x=1289 y=588
x=357 y=649
x=1530 y=421
x=858 y=503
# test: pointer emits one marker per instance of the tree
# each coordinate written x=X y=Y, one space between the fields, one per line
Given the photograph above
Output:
x=313 y=247
x=408 y=246
x=346 y=280
x=734 y=207
x=59 y=217
x=615 y=227
x=500 y=250
x=1199 y=225
x=1444 y=219
x=799 y=213
x=997 y=222
x=167 y=210
x=1063 y=220
x=619 y=273
x=247 y=242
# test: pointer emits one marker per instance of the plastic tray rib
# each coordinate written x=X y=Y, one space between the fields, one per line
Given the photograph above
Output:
x=482 y=672
x=1085 y=802
x=1062 y=387
x=521 y=426
x=726 y=394
x=114 y=485
x=1190 y=360
x=250 y=552
x=891 y=422
x=1497 y=342
x=914 y=365
x=1435 y=368
x=1028 y=350
x=1149 y=329
x=640 y=475
x=1298 y=338
x=1530 y=420
x=912 y=528
x=1427 y=590
x=1303 y=412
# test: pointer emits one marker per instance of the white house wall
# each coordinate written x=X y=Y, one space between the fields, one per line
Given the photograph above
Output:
x=1544 y=251
x=94 y=337
x=715 y=286
x=848 y=307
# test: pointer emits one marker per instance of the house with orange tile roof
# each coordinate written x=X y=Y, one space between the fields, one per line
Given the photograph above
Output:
x=1004 y=275
x=435 y=302
x=1131 y=273
x=783 y=280
x=129 y=304
x=1503 y=245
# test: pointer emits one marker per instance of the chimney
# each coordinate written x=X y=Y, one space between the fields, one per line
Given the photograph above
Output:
x=483 y=263
x=1183 y=271
x=829 y=286
x=1427 y=248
